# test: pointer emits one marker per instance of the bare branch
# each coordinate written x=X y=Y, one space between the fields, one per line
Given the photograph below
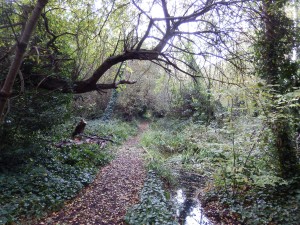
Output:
x=106 y=18
x=167 y=61
x=145 y=35
x=143 y=12
x=11 y=25
x=113 y=85
x=54 y=36
x=166 y=13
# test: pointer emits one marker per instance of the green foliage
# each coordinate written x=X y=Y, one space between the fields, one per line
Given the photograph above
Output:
x=154 y=208
x=149 y=96
x=197 y=103
x=273 y=46
x=230 y=153
x=158 y=162
x=273 y=50
x=32 y=113
x=86 y=156
x=117 y=129
x=111 y=105
x=30 y=109
x=281 y=115
x=161 y=143
x=47 y=179
x=277 y=204
x=165 y=141
x=108 y=113
x=40 y=177
x=241 y=160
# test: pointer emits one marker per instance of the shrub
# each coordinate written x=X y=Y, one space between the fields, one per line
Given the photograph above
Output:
x=32 y=113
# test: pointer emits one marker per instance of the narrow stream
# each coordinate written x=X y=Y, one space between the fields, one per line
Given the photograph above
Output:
x=189 y=211
x=188 y=208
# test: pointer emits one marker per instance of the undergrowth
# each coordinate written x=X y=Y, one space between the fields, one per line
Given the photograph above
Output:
x=117 y=130
x=154 y=207
x=40 y=177
x=239 y=161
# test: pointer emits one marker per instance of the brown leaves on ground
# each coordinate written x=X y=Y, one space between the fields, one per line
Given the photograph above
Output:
x=219 y=214
x=116 y=188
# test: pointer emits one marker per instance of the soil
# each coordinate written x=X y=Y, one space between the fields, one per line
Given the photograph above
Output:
x=115 y=189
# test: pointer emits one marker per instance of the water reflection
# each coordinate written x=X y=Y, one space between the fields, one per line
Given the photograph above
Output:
x=189 y=210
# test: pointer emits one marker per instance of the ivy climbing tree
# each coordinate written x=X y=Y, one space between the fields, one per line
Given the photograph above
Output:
x=274 y=48
x=114 y=95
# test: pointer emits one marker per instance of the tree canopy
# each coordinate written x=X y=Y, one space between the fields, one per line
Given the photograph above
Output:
x=110 y=32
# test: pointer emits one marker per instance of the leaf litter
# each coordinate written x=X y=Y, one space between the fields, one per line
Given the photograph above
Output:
x=114 y=190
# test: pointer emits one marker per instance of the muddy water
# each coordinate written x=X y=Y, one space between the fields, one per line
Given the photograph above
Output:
x=188 y=208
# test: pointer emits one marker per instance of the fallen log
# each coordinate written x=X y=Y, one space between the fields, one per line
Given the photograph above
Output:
x=97 y=137
x=84 y=139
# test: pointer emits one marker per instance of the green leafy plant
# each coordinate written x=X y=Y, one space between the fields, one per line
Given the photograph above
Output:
x=39 y=177
x=240 y=160
x=154 y=208
x=118 y=130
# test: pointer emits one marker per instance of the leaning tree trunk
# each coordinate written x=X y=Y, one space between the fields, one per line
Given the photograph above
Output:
x=19 y=54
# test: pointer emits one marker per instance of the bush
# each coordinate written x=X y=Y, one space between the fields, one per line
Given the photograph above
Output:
x=197 y=104
x=32 y=113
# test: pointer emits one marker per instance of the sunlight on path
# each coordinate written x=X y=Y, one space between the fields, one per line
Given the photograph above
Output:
x=115 y=188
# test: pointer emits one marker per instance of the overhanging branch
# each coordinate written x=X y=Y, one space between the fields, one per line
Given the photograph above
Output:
x=113 y=60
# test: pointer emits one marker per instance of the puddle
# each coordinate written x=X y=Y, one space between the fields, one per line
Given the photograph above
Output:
x=189 y=210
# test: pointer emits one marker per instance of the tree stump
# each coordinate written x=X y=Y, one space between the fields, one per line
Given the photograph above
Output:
x=79 y=129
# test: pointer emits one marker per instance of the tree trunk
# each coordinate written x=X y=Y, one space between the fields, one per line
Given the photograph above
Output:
x=271 y=72
x=20 y=51
x=286 y=152
x=114 y=96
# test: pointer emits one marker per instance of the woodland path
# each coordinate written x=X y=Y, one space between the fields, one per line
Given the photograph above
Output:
x=116 y=187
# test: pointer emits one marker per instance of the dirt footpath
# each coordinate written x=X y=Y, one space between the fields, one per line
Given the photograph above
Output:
x=116 y=187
